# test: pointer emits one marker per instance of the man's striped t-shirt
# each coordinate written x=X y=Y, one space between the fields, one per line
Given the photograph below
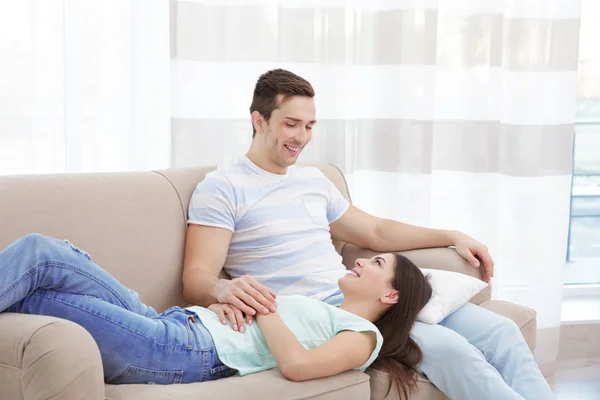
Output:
x=280 y=225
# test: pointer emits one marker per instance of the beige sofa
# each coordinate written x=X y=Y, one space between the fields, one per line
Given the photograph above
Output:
x=134 y=225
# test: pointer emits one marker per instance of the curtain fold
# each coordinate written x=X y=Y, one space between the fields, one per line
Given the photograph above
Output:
x=85 y=85
x=449 y=114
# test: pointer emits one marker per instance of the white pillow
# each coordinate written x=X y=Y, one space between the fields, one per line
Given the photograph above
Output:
x=451 y=290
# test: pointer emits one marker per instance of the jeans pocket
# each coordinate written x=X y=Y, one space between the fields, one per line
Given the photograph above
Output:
x=135 y=374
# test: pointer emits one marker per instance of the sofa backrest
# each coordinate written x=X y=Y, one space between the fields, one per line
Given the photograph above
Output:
x=133 y=224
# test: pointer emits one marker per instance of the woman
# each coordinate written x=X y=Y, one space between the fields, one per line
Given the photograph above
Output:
x=305 y=338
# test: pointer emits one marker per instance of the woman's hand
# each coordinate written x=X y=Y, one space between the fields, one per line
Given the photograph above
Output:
x=235 y=315
x=468 y=248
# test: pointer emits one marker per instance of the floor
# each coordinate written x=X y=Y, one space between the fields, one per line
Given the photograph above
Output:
x=577 y=379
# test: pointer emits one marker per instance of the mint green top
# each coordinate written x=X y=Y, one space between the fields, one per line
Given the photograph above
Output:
x=313 y=322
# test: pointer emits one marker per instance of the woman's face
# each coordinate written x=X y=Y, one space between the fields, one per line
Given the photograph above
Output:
x=370 y=278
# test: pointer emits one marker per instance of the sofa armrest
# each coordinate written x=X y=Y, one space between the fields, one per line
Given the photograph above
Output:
x=437 y=258
x=44 y=357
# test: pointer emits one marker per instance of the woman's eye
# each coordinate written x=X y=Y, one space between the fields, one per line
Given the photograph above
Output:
x=378 y=262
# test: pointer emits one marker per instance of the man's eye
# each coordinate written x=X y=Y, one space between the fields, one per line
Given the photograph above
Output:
x=291 y=125
x=309 y=128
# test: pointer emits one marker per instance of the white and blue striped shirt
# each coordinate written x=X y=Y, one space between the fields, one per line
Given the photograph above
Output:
x=280 y=225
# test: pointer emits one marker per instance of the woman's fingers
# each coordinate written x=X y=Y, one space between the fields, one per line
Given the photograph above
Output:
x=221 y=316
x=231 y=315
x=239 y=319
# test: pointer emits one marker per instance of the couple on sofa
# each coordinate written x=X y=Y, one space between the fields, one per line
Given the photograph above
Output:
x=290 y=303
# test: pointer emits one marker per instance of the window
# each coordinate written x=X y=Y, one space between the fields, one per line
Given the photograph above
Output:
x=583 y=254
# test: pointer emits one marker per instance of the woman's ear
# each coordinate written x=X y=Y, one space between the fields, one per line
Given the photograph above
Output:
x=258 y=121
x=390 y=298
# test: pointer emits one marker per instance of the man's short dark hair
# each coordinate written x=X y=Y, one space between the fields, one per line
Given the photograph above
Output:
x=273 y=83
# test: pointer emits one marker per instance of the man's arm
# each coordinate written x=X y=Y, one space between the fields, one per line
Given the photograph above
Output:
x=379 y=234
x=347 y=350
x=205 y=252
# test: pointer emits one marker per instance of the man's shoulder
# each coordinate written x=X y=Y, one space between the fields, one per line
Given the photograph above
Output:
x=227 y=174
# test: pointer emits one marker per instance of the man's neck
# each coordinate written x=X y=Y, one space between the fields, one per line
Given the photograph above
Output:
x=262 y=161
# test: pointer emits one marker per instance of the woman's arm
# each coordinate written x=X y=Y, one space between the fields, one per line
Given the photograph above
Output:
x=347 y=350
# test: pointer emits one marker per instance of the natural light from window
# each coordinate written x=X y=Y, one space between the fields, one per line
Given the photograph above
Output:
x=583 y=256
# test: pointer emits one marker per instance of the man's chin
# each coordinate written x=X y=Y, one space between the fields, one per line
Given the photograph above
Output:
x=290 y=160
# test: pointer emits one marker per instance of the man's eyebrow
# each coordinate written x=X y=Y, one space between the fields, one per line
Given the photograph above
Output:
x=380 y=258
x=299 y=120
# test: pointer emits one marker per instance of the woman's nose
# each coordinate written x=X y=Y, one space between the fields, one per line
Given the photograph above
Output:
x=359 y=262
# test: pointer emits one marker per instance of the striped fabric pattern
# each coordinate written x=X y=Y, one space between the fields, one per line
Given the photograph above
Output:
x=449 y=114
x=280 y=225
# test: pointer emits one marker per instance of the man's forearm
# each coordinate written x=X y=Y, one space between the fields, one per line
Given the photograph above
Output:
x=199 y=287
x=397 y=236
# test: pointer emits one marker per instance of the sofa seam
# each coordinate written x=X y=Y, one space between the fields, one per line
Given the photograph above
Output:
x=334 y=390
x=27 y=345
x=528 y=322
x=176 y=192
x=8 y=366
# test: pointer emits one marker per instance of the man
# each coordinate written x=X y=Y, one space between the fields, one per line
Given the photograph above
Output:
x=270 y=227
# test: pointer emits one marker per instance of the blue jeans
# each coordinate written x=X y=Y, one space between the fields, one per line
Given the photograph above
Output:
x=41 y=275
x=477 y=354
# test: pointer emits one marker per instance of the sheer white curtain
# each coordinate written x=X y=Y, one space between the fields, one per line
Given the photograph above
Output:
x=84 y=85
x=450 y=114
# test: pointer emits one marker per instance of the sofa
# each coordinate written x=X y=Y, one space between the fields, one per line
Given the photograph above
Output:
x=134 y=225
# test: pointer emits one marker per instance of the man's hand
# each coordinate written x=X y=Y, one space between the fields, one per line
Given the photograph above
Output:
x=246 y=294
x=468 y=248
x=235 y=315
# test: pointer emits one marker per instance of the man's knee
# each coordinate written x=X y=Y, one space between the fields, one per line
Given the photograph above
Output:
x=444 y=346
x=506 y=333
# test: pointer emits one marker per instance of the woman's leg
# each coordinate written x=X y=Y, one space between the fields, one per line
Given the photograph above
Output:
x=168 y=348
x=41 y=275
x=39 y=262
x=503 y=345
x=457 y=368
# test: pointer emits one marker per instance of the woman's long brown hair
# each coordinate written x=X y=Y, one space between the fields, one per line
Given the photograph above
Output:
x=400 y=355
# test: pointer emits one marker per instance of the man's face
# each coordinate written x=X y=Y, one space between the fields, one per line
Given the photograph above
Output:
x=289 y=129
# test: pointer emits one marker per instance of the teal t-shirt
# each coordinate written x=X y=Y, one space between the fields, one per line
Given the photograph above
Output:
x=313 y=322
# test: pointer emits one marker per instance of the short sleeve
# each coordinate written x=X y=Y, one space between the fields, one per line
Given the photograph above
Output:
x=364 y=326
x=213 y=203
x=337 y=204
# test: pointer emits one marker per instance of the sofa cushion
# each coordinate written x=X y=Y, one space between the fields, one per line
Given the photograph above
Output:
x=131 y=223
x=270 y=384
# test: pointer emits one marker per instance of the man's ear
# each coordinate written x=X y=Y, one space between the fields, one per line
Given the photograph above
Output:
x=258 y=121
x=390 y=298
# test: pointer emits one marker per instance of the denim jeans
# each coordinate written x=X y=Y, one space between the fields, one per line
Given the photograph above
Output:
x=477 y=354
x=41 y=275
